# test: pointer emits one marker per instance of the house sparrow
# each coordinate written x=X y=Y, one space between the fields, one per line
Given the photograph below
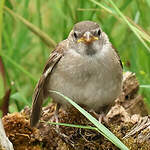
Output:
x=84 y=67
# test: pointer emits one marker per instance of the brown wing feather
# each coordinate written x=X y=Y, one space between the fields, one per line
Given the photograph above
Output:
x=39 y=95
x=118 y=56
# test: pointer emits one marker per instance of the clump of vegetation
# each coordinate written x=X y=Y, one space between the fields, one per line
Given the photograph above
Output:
x=24 y=53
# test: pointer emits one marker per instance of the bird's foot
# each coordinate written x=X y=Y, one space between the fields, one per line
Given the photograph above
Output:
x=100 y=117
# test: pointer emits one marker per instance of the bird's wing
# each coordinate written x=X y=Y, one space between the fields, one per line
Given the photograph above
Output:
x=118 y=57
x=119 y=60
x=38 y=95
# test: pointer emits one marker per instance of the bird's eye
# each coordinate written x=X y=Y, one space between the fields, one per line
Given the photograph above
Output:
x=99 y=32
x=75 y=35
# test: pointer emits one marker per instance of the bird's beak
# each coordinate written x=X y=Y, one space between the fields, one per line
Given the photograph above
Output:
x=87 y=38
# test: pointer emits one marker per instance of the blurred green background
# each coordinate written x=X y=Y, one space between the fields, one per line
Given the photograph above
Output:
x=24 y=54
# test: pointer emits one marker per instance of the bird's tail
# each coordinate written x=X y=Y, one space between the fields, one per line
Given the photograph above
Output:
x=37 y=102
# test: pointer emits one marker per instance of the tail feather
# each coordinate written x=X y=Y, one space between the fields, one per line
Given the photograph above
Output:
x=40 y=90
x=37 y=102
x=36 y=111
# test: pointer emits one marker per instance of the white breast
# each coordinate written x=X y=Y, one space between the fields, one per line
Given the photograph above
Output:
x=91 y=80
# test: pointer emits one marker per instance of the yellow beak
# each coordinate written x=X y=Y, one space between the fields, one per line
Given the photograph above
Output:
x=87 y=38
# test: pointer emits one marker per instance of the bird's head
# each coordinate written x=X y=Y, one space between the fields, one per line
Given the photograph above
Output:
x=86 y=37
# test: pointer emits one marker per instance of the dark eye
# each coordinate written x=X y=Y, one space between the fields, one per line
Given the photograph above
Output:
x=75 y=35
x=99 y=32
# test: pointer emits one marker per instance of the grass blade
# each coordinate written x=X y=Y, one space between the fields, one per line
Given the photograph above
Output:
x=2 y=2
x=18 y=66
x=38 y=8
x=145 y=86
x=43 y=36
x=20 y=98
x=128 y=23
x=72 y=125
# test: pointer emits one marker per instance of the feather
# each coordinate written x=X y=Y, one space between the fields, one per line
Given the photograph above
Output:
x=39 y=93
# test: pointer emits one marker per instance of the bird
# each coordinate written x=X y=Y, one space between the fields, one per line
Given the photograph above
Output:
x=84 y=67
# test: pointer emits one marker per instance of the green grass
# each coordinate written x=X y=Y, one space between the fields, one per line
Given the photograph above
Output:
x=31 y=30
x=22 y=47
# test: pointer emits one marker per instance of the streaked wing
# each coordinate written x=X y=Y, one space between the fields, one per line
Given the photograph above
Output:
x=120 y=62
x=39 y=95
